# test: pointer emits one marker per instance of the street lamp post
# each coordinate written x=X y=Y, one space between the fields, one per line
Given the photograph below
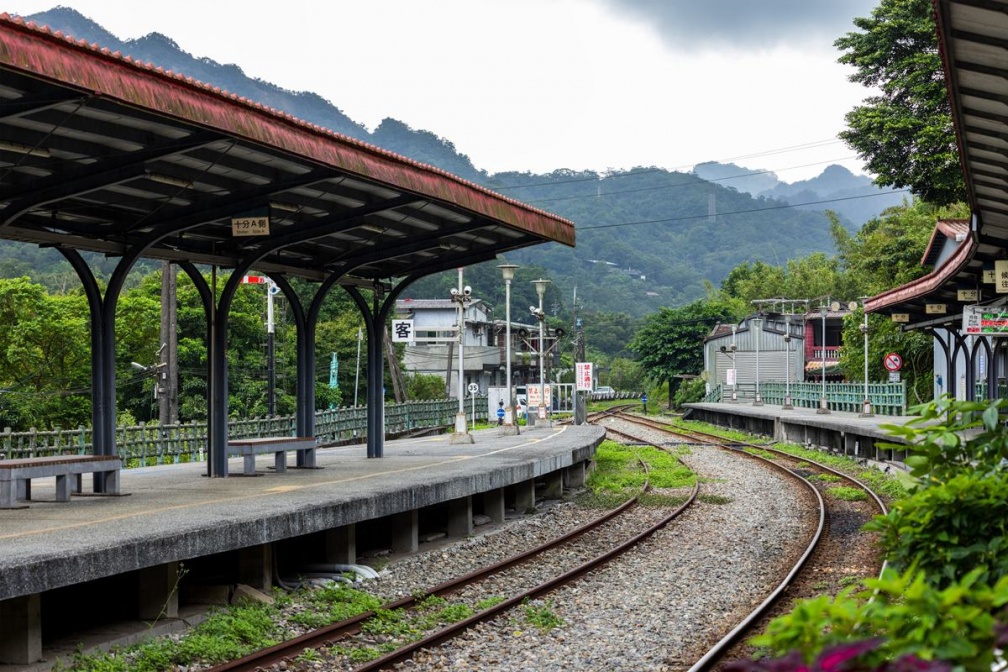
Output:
x=540 y=286
x=734 y=382
x=461 y=297
x=757 y=323
x=823 y=403
x=787 y=358
x=866 y=408
x=510 y=423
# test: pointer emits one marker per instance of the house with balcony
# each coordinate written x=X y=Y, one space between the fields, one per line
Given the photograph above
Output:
x=434 y=350
x=823 y=341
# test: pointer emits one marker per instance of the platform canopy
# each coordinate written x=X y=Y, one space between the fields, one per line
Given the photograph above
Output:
x=102 y=153
x=972 y=37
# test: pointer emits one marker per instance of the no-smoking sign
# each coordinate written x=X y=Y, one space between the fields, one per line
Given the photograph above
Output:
x=892 y=362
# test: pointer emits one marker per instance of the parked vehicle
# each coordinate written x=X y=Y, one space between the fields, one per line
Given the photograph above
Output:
x=604 y=392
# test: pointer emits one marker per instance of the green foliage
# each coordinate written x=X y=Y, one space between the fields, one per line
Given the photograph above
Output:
x=689 y=392
x=955 y=624
x=670 y=341
x=618 y=469
x=425 y=386
x=956 y=519
x=848 y=493
x=904 y=131
x=541 y=616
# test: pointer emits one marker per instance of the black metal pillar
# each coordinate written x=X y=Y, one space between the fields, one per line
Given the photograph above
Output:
x=206 y=297
x=98 y=400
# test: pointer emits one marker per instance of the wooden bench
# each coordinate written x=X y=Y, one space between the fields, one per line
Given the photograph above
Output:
x=16 y=475
x=249 y=448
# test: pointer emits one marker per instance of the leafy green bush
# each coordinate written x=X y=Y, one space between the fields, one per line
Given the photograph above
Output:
x=690 y=391
x=944 y=597
x=956 y=518
x=908 y=616
x=948 y=530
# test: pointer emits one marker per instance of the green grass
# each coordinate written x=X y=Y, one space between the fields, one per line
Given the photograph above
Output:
x=825 y=478
x=847 y=493
x=541 y=616
x=225 y=635
x=884 y=484
x=618 y=470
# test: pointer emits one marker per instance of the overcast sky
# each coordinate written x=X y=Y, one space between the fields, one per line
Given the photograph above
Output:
x=541 y=85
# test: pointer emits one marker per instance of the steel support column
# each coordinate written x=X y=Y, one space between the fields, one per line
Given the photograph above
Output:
x=99 y=440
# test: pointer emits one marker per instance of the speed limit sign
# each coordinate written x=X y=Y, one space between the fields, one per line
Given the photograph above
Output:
x=473 y=388
x=892 y=362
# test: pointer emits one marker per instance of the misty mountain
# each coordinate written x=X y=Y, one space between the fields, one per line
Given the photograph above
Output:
x=646 y=237
x=853 y=197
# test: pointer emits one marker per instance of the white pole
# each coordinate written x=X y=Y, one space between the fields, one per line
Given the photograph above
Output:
x=510 y=421
x=866 y=409
x=461 y=348
x=758 y=323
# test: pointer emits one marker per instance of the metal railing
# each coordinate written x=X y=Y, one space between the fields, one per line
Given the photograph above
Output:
x=151 y=443
x=886 y=398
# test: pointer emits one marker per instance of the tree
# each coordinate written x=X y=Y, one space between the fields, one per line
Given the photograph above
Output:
x=904 y=133
x=886 y=253
x=669 y=343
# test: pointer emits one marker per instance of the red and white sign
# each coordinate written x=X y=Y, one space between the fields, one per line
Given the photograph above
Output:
x=892 y=362
x=584 y=375
x=535 y=396
x=253 y=280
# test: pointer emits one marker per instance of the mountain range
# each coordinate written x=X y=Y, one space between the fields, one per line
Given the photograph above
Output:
x=646 y=237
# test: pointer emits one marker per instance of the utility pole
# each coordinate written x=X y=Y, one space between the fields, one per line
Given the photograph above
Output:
x=166 y=382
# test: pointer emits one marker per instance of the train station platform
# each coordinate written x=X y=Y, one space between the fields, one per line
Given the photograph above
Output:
x=75 y=557
x=837 y=431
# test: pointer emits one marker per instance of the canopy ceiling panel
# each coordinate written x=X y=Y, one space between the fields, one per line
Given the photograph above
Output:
x=101 y=153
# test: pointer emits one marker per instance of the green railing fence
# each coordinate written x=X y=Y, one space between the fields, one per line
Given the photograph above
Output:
x=152 y=443
x=886 y=398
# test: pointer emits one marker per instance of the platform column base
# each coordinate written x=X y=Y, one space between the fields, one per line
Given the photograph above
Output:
x=21 y=630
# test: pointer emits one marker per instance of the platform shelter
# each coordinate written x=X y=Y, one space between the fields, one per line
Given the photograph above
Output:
x=970 y=257
x=100 y=153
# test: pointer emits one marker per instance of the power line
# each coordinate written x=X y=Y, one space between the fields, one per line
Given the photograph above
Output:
x=740 y=212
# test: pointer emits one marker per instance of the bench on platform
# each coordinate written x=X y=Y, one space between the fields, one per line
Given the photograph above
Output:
x=279 y=445
x=16 y=475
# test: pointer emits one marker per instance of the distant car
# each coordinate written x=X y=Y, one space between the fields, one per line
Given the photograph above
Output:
x=604 y=391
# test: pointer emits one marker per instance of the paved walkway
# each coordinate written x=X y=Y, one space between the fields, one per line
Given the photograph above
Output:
x=174 y=512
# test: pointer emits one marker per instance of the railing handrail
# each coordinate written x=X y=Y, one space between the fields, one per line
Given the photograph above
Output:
x=886 y=398
x=153 y=443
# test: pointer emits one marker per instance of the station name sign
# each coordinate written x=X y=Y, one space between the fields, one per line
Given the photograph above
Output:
x=985 y=320
x=250 y=226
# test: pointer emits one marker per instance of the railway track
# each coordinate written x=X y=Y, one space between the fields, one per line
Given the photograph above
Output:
x=342 y=631
x=829 y=560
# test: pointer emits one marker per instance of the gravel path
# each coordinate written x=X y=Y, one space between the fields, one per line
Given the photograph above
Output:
x=659 y=607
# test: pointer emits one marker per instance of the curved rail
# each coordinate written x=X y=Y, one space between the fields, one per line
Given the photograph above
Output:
x=352 y=625
x=454 y=629
x=716 y=652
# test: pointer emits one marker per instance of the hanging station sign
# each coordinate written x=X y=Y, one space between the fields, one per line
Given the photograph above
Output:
x=985 y=320
x=1001 y=276
x=901 y=318
x=967 y=295
x=250 y=226
x=934 y=308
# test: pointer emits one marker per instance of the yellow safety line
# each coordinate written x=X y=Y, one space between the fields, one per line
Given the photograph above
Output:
x=282 y=489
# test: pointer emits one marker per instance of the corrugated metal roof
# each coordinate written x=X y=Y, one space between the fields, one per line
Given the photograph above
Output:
x=971 y=36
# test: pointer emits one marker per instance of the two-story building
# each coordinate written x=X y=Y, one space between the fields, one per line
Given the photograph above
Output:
x=434 y=350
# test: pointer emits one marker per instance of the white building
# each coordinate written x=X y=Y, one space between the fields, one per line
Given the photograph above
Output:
x=434 y=350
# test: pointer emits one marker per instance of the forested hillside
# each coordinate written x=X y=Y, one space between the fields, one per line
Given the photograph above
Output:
x=646 y=237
